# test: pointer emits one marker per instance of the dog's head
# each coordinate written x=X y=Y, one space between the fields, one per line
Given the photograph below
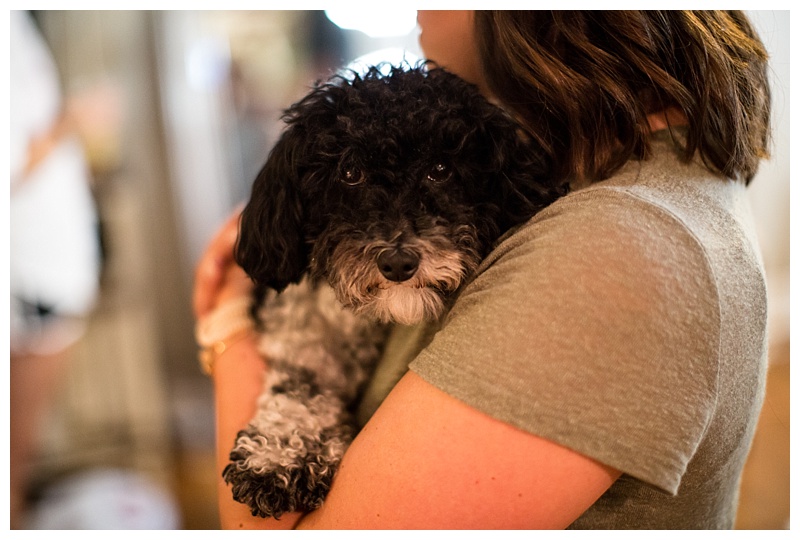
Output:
x=392 y=187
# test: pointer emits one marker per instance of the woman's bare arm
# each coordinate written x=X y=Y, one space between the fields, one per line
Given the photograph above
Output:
x=428 y=461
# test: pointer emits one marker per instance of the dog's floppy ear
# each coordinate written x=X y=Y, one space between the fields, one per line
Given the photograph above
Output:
x=271 y=247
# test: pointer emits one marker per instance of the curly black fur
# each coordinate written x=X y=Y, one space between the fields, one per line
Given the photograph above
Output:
x=392 y=131
x=391 y=188
x=299 y=487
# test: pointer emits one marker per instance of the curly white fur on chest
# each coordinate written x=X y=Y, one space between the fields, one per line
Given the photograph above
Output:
x=305 y=326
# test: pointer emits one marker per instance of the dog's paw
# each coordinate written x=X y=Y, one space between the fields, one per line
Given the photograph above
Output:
x=277 y=492
x=296 y=482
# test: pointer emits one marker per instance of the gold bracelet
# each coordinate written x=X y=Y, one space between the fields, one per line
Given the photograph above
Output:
x=208 y=355
x=220 y=329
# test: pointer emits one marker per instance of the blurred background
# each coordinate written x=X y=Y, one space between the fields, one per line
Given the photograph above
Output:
x=181 y=108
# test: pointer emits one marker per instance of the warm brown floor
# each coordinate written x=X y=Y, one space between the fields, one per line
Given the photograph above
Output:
x=764 y=501
x=197 y=484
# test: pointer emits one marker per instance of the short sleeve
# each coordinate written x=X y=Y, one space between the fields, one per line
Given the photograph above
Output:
x=595 y=326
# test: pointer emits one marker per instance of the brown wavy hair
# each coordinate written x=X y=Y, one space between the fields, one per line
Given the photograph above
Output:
x=583 y=82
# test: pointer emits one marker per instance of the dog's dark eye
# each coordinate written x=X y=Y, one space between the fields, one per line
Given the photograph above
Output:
x=352 y=176
x=439 y=173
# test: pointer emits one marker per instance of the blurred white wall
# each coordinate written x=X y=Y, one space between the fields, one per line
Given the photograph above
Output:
x=769 y=191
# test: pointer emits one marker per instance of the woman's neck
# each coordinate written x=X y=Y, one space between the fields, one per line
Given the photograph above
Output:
x=669 y=117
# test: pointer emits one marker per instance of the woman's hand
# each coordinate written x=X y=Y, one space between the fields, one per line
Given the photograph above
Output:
x=217 y=276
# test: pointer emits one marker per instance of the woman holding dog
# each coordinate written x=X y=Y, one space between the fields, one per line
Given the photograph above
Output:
x=606 y=370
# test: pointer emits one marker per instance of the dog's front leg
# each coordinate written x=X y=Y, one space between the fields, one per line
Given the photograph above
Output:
x=319 y=357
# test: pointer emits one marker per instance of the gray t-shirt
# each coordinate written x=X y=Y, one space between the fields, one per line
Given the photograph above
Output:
x=627 y=322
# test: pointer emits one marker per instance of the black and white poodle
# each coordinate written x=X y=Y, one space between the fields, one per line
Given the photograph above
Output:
x=375 y=207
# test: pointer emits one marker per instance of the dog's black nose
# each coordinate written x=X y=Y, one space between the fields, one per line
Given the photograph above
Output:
x=398 y=264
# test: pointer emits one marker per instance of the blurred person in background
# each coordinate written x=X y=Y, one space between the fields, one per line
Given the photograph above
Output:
x=55 y=255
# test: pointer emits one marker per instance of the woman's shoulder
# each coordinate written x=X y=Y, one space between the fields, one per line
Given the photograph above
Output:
x=650 y=205
x=611 y=224
x=657 y=233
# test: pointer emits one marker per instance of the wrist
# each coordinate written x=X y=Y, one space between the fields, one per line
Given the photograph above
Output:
x=219 y=330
